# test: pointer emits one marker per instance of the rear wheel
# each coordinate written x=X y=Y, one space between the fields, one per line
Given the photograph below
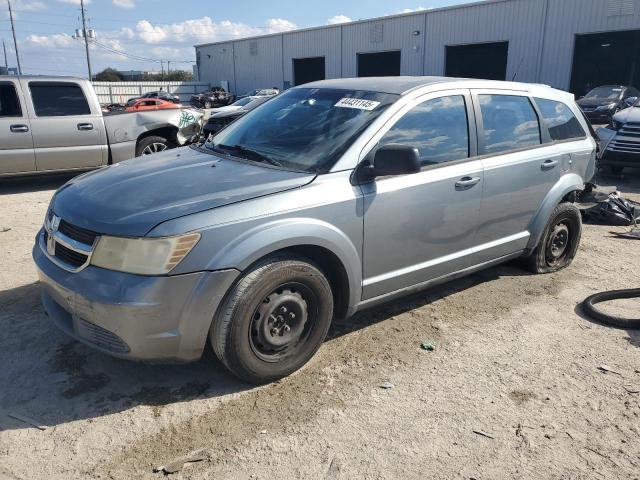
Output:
x=274 y=319
x=559 y=242
x=152 y=144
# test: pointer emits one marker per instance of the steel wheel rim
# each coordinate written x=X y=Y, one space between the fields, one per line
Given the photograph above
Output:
x=155 y=147
x=283 y=322
x=558 y=243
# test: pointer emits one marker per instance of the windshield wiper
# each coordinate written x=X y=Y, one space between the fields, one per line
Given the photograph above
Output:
x=253 y=154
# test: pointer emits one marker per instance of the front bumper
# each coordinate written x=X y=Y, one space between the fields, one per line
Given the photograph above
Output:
x=152 y=318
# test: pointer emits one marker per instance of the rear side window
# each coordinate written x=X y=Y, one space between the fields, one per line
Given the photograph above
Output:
x=9 y=103
x=509 y=123
x=58 y=99
x=560 y=120
x=438 y=128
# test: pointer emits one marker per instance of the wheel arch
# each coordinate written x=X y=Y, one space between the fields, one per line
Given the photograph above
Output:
x=169 y=132
x=322 y=243
x=565 y=190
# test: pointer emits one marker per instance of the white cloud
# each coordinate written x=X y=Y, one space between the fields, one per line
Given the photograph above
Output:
x=74 y=2
x=206 y=30
x=417 y=9
x=27 y=5
x=56 y=40
x=338 y=19
x=124 y=3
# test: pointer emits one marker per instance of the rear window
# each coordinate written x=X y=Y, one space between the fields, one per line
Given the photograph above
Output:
x=560 y=120
x=509 y=123
x=9 y=103
x=58 y=99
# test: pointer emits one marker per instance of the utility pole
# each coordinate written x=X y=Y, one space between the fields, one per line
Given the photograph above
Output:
x=15 y=42
x=6 y=64
x=85 y=34
x=162 y=70
x=168 y=69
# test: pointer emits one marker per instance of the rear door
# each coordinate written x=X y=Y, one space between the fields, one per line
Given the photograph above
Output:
x=67 y=125
x=520 y=167
x=16 y=143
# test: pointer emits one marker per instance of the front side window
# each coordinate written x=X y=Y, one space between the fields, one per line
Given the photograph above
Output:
x=560 y=120
x=9 y=103
x=305 y=129
x=438 y=128
x=509 y=123
x=58 y=99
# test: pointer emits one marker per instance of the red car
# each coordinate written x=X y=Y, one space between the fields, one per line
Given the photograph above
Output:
x=151 y=104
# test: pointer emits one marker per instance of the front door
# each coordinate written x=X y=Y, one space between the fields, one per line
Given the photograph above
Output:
x=16 y=143
x=422 y=226
x=67 y=132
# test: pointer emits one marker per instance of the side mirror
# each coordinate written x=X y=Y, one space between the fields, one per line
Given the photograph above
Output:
x=395 y=159
x=629 y=101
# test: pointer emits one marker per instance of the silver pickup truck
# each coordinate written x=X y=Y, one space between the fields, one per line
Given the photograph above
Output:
x=53 y=124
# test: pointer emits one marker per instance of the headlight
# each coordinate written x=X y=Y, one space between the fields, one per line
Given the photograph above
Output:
x=603 y=108
x=144 y=256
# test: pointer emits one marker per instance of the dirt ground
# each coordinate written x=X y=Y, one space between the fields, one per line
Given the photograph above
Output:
x=513 y=388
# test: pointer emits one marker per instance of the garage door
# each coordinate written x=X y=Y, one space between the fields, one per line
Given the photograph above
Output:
x=307 y=70
x=478 y=60
x=379 y=64
x=610 y=58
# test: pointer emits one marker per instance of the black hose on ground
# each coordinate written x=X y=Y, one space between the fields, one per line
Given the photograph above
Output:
x=589 y=308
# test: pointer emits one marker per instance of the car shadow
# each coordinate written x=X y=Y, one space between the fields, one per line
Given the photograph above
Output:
x=627 y=182
x=38 y=183
x=634 y=334
x=48 y=377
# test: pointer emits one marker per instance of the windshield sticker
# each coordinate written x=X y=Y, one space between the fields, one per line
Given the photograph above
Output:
x=357 y=103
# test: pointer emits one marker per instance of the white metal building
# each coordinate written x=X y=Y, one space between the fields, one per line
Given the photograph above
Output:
x=569 y=44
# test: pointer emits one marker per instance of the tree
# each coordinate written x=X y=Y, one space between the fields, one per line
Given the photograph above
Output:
x=172 y=76
x=108 y=75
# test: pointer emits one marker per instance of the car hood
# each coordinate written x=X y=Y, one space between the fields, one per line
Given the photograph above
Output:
x=628 y=115
x=594 y=102
x=130 y=198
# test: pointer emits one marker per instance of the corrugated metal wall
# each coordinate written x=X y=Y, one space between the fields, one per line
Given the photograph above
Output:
x=323 y=42
x=540 y=33
x=120 y=92
x=384 y=35
x=566 y=18
x=517 y=21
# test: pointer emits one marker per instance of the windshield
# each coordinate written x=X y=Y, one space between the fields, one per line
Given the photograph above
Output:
x=304 y=128
x=257 y=101
x=604 y=93
x=242 y=102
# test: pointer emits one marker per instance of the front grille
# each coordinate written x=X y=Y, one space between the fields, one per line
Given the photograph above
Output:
x=78 y=234
x=627 y=139
x=101 y=337
x=69 y=256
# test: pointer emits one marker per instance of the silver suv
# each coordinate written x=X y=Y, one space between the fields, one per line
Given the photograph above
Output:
x=327 y=199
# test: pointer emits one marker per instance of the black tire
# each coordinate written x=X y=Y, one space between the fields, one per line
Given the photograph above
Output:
x=589 y=308
x=559 y=242
x=151 y=144
x=273 y=320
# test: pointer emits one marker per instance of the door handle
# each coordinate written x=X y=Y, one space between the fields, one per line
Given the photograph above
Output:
x=19 y=128
x=467 y=182
x=549 y=164
x=85 y=126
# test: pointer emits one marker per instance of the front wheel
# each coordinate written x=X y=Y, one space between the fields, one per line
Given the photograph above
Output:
x=273 y=320
x=559 y=242
x=152 y=144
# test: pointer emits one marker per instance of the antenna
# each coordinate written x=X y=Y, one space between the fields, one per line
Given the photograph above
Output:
x=15 y=42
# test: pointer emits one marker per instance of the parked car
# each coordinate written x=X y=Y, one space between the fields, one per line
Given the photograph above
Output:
x=161 y=94
x=143 y=104
x=220 y=120
x=216 y=97
x=621 y=140
x=601 y=103
x=333 y=197
x=54 y=124
x=260 y=92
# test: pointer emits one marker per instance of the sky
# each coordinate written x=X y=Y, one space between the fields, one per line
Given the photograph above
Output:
x=137 y=34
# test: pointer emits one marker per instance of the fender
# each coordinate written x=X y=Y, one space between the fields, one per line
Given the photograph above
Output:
x=260 y=241
x=568 y=183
